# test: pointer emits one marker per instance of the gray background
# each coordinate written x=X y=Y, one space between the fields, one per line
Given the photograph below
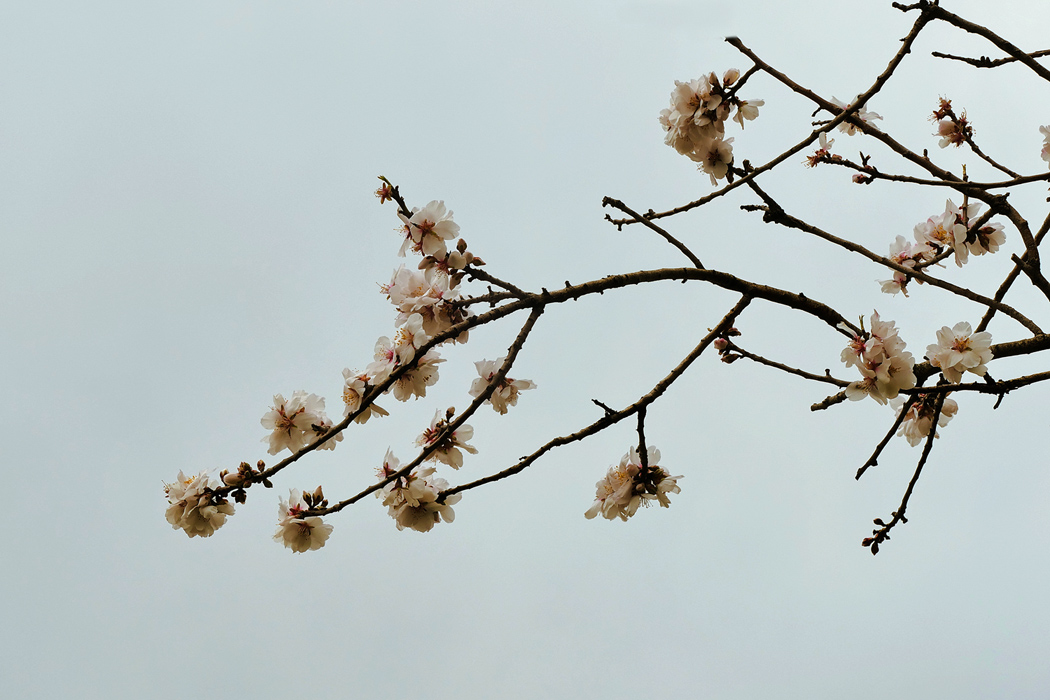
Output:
x=189 y=227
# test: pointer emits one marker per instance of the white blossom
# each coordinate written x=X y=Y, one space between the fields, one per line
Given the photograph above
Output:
x=431 y=226
x=354 y=386
x=861 y=114
x=412 y=500
x=193 y=508
x=879 y=355
x=292 y=422
x=298 y=533
x=506 y=393
x=958 y=349
x=629 y=485
x=918 y=421
x=448 y=444
x=414 y=382
x=1045 y=153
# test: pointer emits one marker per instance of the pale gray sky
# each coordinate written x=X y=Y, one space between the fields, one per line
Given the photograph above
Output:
x=189 y=228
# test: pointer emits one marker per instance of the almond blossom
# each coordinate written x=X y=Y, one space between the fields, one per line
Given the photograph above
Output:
x=629 y=485
x=414 y=382
x=506 y=392
x=958 y=350
x=430 y=227
x=296 y=422
x=861 y=114
x=354 y=386
x=885 y=366
x=1045 y=153
x=448 y=444
x=918 y=421
x=905 y=254
x=193 y=507
x=412 y=500
x=297 y=533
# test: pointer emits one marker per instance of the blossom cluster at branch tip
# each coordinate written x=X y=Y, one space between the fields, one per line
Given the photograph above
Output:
x=918 y=421
x=412 y=500
x=506 y=393
x=862 y=114
x=959 y=350
x=880 y=357
x=193 y=507
x=695 y=121
x=297 y=422
x=628 y=485
x=1045 y=153
x=448 y=444
x=297 y=531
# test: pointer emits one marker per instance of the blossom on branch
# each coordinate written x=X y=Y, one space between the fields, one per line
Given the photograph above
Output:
x=905 y=254
x=430 y=227
x=412 y=500
x=629 y=485
x=506 y=393
x=1045 y=153
x=448 y=444
x=918 y=421
x=354 y=386
x=192 y=506
x=297 y=533
x=958 y=350
x=879 y=355
x=294 y=421
x=862 y=114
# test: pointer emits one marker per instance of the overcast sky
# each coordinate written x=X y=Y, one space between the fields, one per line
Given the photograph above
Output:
x=189 y=228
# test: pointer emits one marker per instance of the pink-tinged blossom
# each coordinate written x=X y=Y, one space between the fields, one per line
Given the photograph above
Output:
x=747 y=109
x=823 y=151
x=297 y=533
x=386 y=360
x=412 y=500
x=448 y=445
x=879 y=355
x=427 y=294
x=1045 y=153
x=414 y=382
x=907 y=254
x=506 y=393
x=861 y=114
x=958 y=350
x=629 y=485
x=192 y=506
x=354 y=386
x=292 y=422
x=431 y=226
x=918 y=421
x=715 y=159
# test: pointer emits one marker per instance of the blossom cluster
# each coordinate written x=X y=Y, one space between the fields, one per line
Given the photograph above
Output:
x=297 y=531
x=884 y=364
x=629 y=485
x=954 y=129
x=918 y=421
x=695 y=121
x=1045 y=153
x=958 y=350
x=862 y=114
x=193 y=507
x=412 y=499
x=446 y=443
x=506 y=392
x=951 y=230
x=297 y=422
